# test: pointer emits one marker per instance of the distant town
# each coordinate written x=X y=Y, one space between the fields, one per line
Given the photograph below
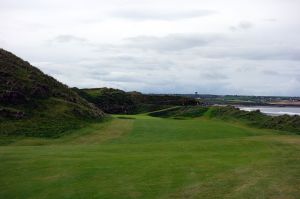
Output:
x=210 y=99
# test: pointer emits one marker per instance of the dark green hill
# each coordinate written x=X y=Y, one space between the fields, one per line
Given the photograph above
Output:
x=120 y=102
x=108 y=99
x=33 y=103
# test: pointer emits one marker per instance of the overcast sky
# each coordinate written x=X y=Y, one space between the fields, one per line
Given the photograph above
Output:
x=160 y=46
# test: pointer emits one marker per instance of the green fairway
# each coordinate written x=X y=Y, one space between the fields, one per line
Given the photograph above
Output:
x=146 y=157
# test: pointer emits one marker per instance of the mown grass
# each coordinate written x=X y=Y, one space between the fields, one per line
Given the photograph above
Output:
x=147 y=157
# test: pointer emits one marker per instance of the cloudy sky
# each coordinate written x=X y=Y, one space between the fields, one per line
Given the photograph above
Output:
x=160 y=46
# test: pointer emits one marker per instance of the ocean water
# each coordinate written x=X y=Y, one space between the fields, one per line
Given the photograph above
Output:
x=271 y=110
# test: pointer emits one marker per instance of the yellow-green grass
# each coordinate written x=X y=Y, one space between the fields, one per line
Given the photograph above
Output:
x=146 y=157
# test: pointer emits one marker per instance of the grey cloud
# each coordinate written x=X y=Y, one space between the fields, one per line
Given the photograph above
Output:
x=161 y=14
x=214 y=76
x=67 y=39
x=134 y=77
x=211 y=46
x=271 y=19
x=214 y=46
x=127 y=63
x=98 y=74
x=121 y=78
x=266 y=52
x=243 y=25
x=270 y=72
x=172 y=42
x=269 y=53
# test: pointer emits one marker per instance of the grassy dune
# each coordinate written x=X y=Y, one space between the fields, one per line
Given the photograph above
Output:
x=147 y=157
x=229 y=113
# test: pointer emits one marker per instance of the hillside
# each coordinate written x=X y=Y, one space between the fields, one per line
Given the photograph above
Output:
x=116 y=101
x=230 y=113
x=33 y=103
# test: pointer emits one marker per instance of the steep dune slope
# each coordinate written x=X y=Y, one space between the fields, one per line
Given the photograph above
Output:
x=33 y=103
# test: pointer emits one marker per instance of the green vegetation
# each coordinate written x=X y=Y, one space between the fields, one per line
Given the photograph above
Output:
x=230 y=113
x=52 y=118
x=32 y=103
x=150 y=157
x=108 y=99
x=116 y=101
x=55 y=144
x=181 y=112
x=257 y=119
